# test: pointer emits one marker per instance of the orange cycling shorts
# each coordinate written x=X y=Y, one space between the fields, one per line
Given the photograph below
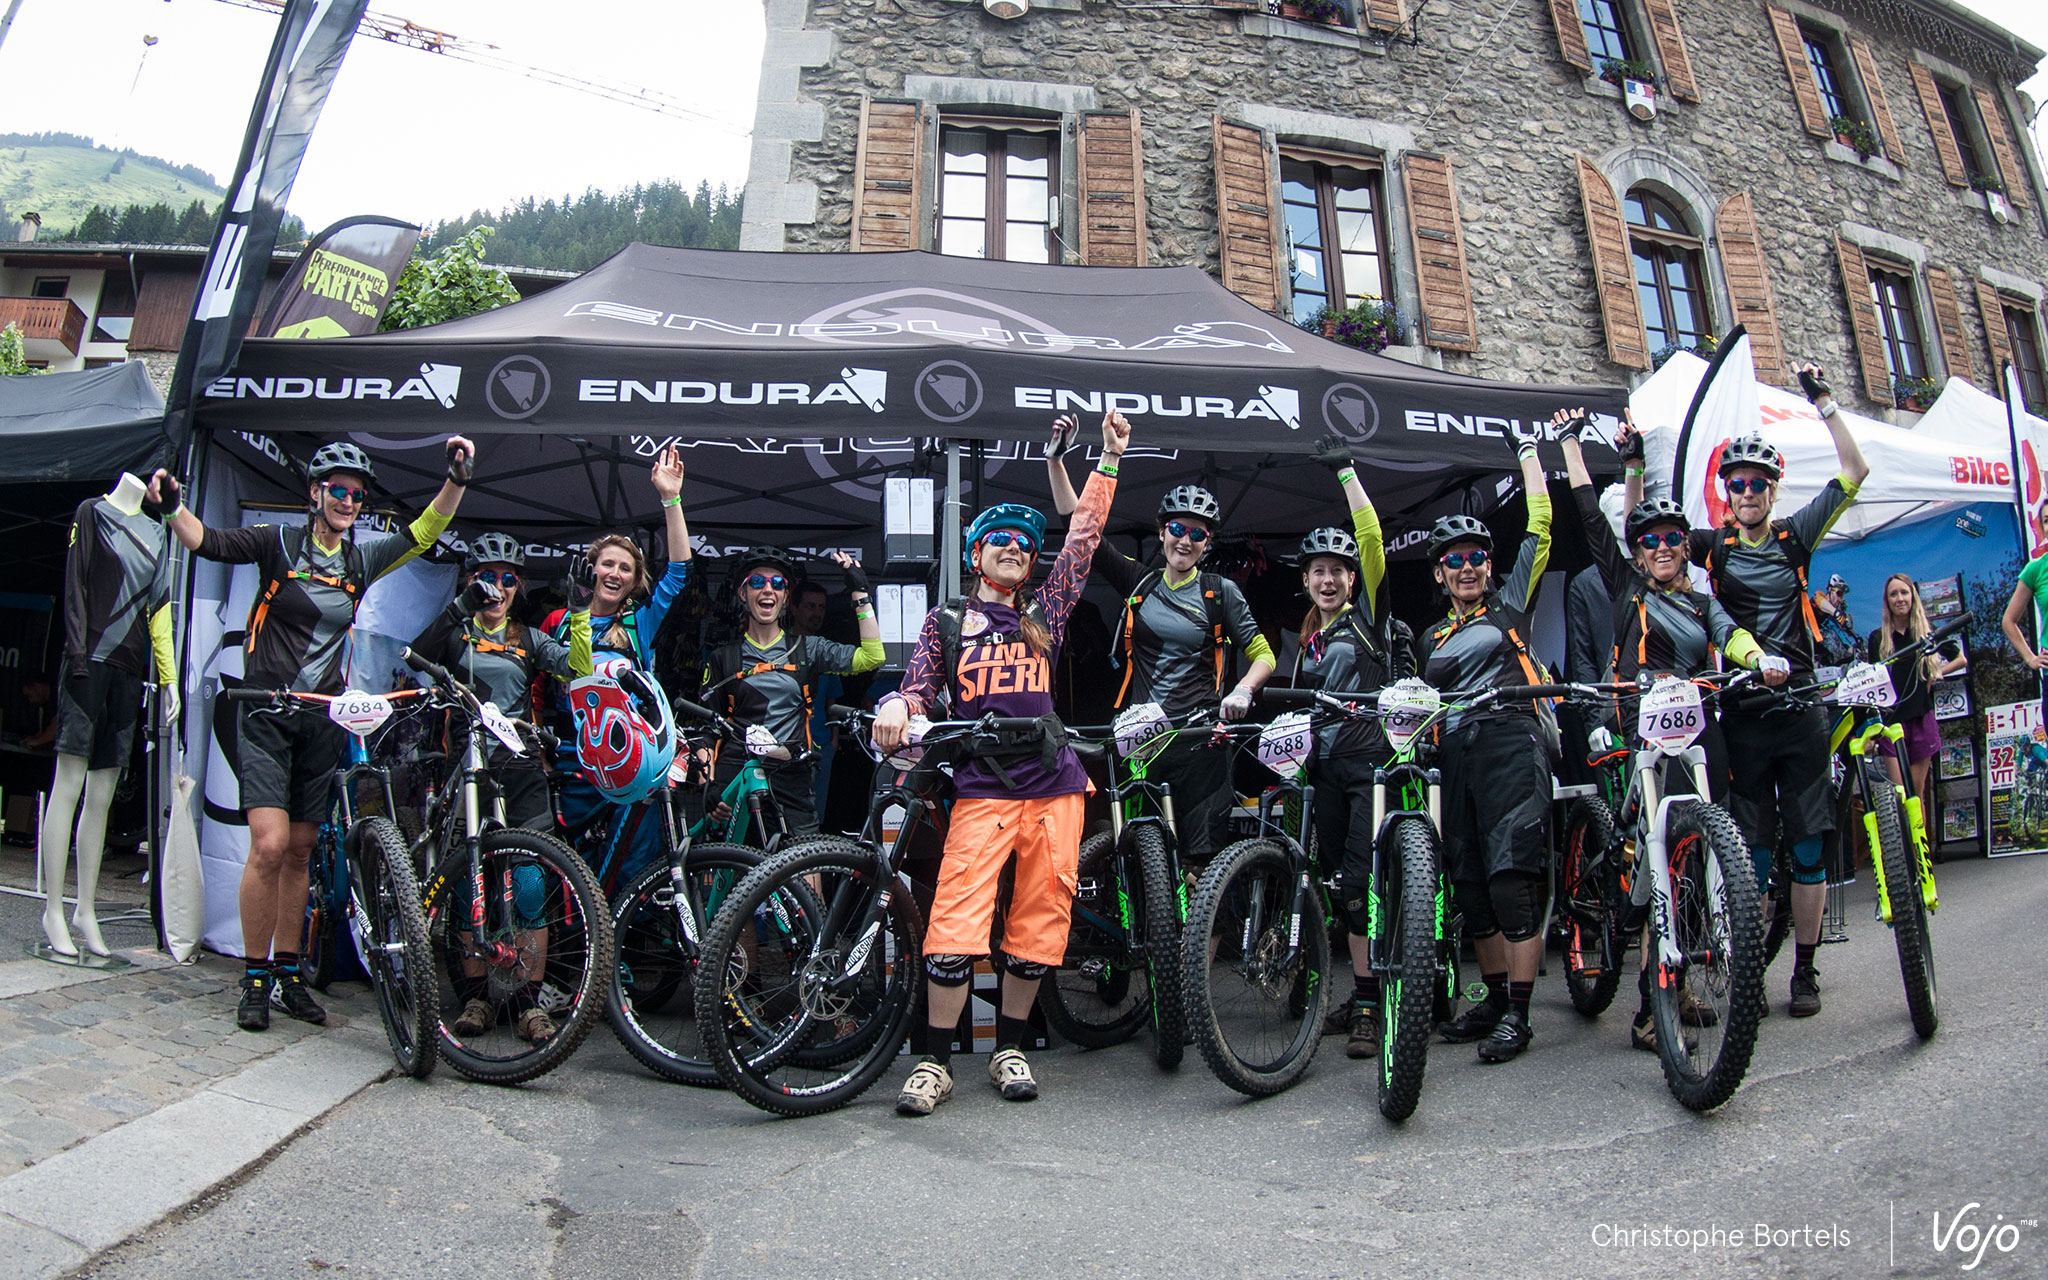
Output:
x=1045 y=834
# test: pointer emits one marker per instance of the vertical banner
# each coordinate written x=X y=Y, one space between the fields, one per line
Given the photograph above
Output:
x=2016 y=747
x=1726 y=405
x=312 y=38
x=342 y=283
x=2030 y=466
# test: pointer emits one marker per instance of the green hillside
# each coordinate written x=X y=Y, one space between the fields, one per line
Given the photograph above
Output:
x=62 y=180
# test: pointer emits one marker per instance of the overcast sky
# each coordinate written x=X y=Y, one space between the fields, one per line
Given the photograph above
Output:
x=425 y=137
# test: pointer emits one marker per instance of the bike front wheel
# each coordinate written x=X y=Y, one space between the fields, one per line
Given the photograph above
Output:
x=1253 y=972
x=808 y=1024
x=545 y=949
x=1102 y=992
x=390 y=927
x=1409 y=985
x=1909 y=909
x=1706 y=1006
x=1162 y=943
x=658 y=925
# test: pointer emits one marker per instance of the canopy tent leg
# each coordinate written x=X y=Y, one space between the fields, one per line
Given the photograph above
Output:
x=949 y=547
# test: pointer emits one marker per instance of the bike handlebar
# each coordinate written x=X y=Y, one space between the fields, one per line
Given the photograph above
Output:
x=251 y=695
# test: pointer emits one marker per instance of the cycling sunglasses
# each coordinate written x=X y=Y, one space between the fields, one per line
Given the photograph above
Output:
x=1652 y=541
x=1745 y=484
x=342 y=493
x=1459 y=559
x=1192 y=532
x=1004 y=537
x=772 y=580
x=506 y=579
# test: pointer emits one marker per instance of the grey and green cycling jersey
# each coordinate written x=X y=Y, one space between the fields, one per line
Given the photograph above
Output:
x=1675 y=632
x=1760 y=583
x=767 y=684
x=1350 y=654
x=117 y=590
x=1173 y=657
x=1487 y=647
x=502 y=664
x=299 y=627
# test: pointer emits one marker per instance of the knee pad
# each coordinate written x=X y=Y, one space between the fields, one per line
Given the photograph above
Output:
x=1477 y=907
x=529 y=896
x=1356 y=910
x=1760 y=859
x=1517 y=898
x=1028 y=970
x=949 y=971
x=1807 y=865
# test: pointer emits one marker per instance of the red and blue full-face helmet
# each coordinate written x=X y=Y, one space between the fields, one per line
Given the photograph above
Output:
x=625 y=738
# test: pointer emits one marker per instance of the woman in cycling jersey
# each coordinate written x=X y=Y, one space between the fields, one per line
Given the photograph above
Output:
x=1001 y=648
x=1347 y=646
x=1662 y=627
x=298 y=631
x=1496 y=768
x=768 y=677
x=1905 y=621
x=621 y=631
x=476 y=638
x=1173 y=643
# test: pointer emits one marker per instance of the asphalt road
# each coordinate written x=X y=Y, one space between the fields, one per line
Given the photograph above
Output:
x=1846 y=1140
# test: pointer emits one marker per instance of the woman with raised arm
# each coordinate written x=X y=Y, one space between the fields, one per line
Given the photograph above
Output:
x=991 y=654
x=1662 y=627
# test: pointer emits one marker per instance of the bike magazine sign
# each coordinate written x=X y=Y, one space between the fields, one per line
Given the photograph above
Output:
x=2017 y=751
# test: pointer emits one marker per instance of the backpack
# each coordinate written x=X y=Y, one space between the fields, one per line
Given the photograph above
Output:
x=1641 y=602
x=1796 y=552
x=294 y=540
x=797 y=663
x=1212 y=611
x=1535 y=673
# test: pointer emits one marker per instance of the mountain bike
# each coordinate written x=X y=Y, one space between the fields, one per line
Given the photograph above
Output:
x=659 y=918
x=814 y=1038
x=1122 y=966
x=1256 y=949
x=362 y=885
x=1590 y=896
x=515 y=917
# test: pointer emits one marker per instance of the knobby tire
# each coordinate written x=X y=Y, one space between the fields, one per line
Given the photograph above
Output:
x=1408 y=990
x=1909 y=909
x=1254 y=875
x=388 y=913
x=1714 y=916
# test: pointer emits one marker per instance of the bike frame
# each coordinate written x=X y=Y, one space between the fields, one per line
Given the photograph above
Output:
x=1647 y=811
x=1859 y=730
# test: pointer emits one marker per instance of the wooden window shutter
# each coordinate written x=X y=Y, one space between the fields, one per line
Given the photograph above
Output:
x=1670 y=48
x=1385 y=15
x=1571 y=36
x=1880 y=106
x=1112 y=189
x=1437 y=235
x=1937 y=124
x=889 y=169
x=1749 y=285
x=1948 y=317
x=1792 y=46
x=1247 y=213
x=1992 y=306
x=1877 y=377
x=1614 y=272
x=2015 y=173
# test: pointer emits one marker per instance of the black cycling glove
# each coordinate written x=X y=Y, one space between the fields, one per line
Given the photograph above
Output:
x=1574 y=426
x=173 y=494
x=1066 y=429
x=478 y=596
x=856 y=577
x=1631 y=445
x=1812 y=384
x=582 y=583
x=460 y=462
x=1333 y=452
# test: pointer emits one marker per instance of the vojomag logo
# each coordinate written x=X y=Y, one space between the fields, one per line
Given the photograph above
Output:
x=517 y=387
x=1967 y=1235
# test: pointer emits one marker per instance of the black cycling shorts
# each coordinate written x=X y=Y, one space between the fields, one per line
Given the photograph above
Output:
x=1202 y=795
x=1778 y=767
x=1496 y=799
x=288 y=759
x=1344 y=832
x=97 y=711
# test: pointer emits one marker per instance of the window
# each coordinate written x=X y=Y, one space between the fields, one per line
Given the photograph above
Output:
x=998 y=194
x=1892 y=291
x=1335 y=245
x=1820 y=56
x=116 y=316
x=1958 y=126
x=1669 y=279
x=2026 y=356
x=51 y=287
x=1606 y=31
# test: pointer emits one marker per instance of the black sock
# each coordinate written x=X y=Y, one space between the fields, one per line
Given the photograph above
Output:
x=1011 y=1032
x=284 y=963
x=1365 y=988
x=1518 y=997
x=1803 y=954
x=938 y=1045
x=1496 y=988
x=1644 y=986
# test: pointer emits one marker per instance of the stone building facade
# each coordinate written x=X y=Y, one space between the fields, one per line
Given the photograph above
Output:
x=1515 y=203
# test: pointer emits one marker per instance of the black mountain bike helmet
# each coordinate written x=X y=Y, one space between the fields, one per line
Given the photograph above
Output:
x=1752 y=451
x=1451 y=530
x=1655 y=511
x=1190 y=500
x=495 y=548
x=340 y=456
x=1330 y=541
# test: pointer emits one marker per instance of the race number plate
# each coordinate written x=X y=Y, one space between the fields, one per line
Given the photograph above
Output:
x=762 y=743
x=1671 y=717
x=1139 y=725
x=362 y=714
x=1866 y=684
x=501 y=728
x=1286 y=744
x=1405 y=707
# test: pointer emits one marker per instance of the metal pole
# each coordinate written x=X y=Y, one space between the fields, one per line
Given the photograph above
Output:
x=8 y=21
x=955 y=520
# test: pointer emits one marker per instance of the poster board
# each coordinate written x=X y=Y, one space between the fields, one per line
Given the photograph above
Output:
x=2016 y=776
